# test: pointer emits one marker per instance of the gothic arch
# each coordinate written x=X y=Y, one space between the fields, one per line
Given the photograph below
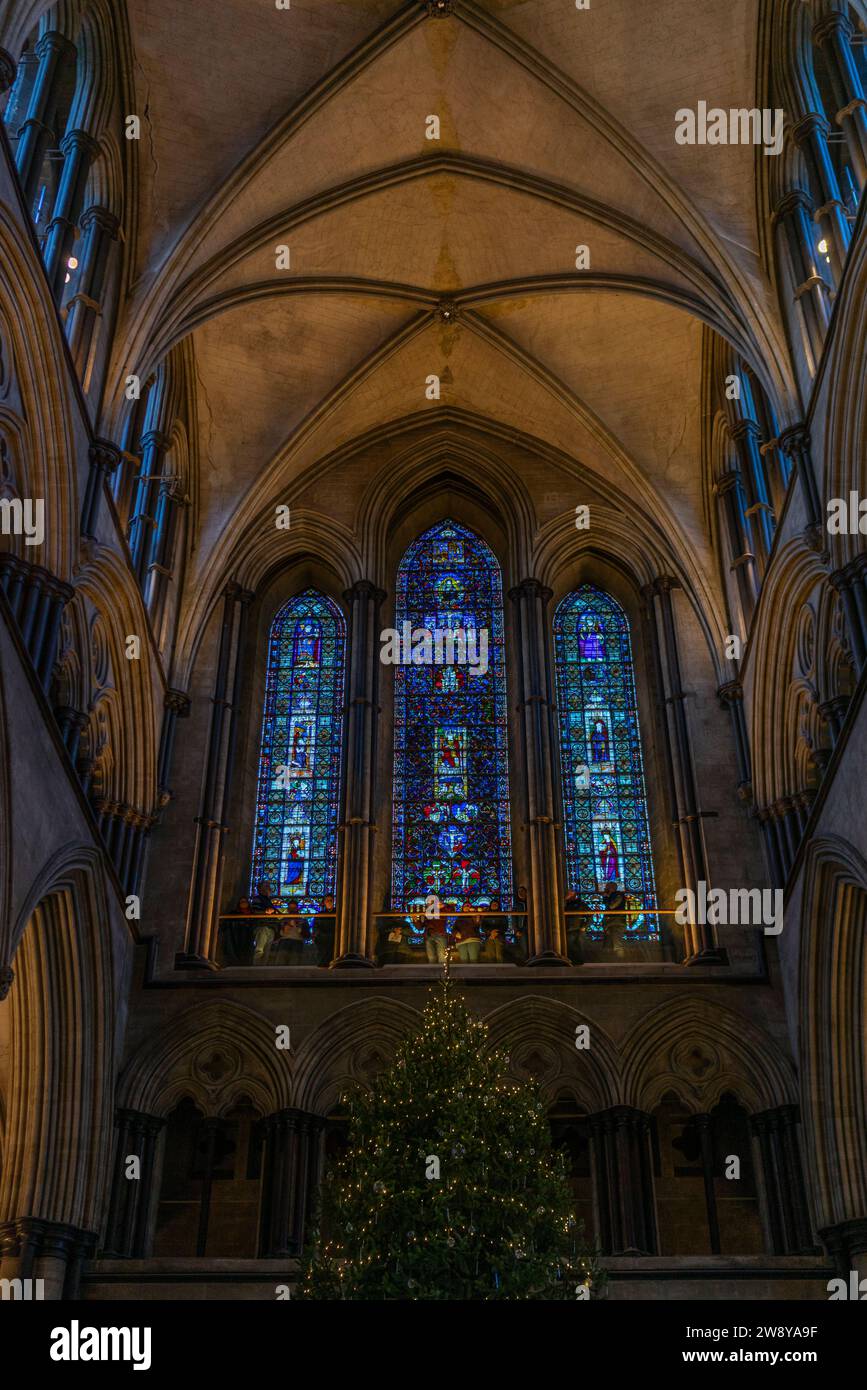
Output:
x=333 y=1056
x=792 y=581
x=534 y=1025
x=63 y=1039
x=105 y=584
x=833 y=1051
x=47 y=439
x=214 y=1053
x=699 y=1049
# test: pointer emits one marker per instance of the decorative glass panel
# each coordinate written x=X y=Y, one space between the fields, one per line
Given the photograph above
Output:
x=606 y=829
x=451 y=828
x=295 y=843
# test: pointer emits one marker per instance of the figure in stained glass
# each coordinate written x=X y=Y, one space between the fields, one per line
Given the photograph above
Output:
x=605 y=811
x=295 y=839
x=451 y=830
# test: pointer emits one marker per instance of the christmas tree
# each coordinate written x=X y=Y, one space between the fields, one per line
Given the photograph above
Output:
x=449 y=1188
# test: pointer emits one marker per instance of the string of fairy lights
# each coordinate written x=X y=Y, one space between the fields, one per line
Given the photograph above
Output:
x=449 y=1187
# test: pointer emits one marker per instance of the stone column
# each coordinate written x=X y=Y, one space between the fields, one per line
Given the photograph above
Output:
x=746 y=435
x=31 y=1248
x=99 y=232
x=546 y=927
x=699 y=937
x=79 y=151
x=127 y=1232
x=37 y=600
x=290 y=1173
x=155 y=445
x=783 y=1183
x=774 y=853
x=731 y=696
x=732 y=518
x=833 y=713
x=810 y=134
x=793 y=215
x=177 y=706
x=846 y=1243
x=104 y=459
x=352 y=947
x=704 y=1128
x=204 y=902
x=778 y=472
x=34 y=136
x=795 y=441
x=833 y=34
x=851 y=584
x=72 y=724
x=160 y=565
x=623 y=1181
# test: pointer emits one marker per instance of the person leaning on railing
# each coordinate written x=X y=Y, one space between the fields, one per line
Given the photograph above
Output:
x=616 y=919
x=435 y=939
x=518 y=950
x=324 y=928
x=575 y=925
x=287 y=947
x=467 y=934
x=495 y=933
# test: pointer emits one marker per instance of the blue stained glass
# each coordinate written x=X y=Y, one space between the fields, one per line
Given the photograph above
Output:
x=297 y=806
x=451 y=820
x=605 y=806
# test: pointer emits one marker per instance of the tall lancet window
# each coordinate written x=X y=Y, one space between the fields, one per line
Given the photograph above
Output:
x=451 y=831
x=605 y=807
x=297 y=807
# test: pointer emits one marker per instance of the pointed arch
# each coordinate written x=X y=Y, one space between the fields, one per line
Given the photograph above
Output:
x=451 y=829
x=604 y=798
x=298 y=799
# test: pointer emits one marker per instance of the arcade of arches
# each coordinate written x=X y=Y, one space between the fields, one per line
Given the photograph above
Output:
x=294 y=379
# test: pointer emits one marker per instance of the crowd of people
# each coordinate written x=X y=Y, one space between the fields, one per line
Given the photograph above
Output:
x=283 y=934
x=293 y=937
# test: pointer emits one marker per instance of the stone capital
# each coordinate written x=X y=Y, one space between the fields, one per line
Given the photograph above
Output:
x=831 y=24
x=100 y=217
x=796 y=200
x=79 y=140
x=178 y=702
x=531 y=588
x=364 y=588
x=104 y=455
x=795 y=441
x=8 y=68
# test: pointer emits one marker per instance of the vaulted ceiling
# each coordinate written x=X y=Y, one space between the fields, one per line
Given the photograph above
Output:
x=307 y=128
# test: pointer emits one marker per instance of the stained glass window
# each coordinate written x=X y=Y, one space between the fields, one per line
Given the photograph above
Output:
x=295 y=842
x=607 y=834
x=451 y=830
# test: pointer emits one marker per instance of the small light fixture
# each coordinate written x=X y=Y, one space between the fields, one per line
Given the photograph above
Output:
x=67 y=277
x=72 y=262
x=823 y=247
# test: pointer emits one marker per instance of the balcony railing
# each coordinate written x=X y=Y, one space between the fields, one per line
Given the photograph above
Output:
x=276 y=938
x=632 y=935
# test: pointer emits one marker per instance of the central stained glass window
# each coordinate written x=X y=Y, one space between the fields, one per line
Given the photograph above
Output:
x=606 y=828
x=295 y=841
x=451 y=829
